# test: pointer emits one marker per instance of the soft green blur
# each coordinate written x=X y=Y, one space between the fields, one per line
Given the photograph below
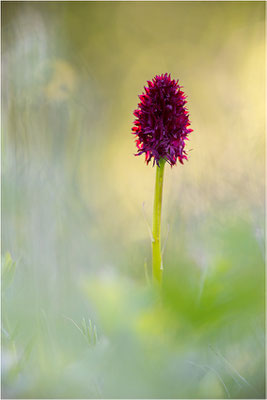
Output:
x=79 y=317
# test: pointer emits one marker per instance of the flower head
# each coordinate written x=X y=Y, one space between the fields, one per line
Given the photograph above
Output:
x=162 y=121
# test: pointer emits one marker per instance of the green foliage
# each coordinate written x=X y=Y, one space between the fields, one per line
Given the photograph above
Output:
x=200 y=335
x=88 y=330
x=8 y=271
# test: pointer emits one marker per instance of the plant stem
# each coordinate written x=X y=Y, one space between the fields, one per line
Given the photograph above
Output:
x=156 y=250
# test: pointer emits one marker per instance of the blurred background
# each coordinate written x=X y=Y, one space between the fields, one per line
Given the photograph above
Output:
x=79 y=316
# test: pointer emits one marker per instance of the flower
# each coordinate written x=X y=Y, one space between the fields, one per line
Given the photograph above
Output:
x=162 y=121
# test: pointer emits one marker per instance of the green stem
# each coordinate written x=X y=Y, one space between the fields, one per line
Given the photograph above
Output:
x=156 y=250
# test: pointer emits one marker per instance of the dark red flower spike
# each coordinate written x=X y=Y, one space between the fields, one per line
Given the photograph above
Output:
x=162 y=121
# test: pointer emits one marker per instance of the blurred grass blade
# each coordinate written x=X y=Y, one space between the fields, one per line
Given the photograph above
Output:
x=8 y=270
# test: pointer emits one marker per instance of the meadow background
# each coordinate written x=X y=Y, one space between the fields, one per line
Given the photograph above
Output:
x=79 y=317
